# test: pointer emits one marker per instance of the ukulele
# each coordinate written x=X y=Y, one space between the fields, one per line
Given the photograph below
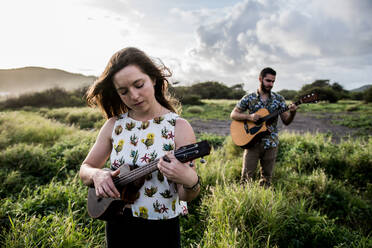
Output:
x=246 y=133
x=128 y=182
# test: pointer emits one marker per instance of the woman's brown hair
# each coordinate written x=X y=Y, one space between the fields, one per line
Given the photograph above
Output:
x=104 y=95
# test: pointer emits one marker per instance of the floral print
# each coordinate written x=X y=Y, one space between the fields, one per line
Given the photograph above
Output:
x=140 y=143
x=166 y=194
x=118 y=130
x=143 y=212
x=144 y=125
x=130 y=125
x=134 y=155
x=149 y=141
x=118 y=162
x=172 y=122
x=150 y=191
x=119 y=146
x=168 y=147
x=160 y=208
x=145 y=158
x=158 y=120
x=134 y=139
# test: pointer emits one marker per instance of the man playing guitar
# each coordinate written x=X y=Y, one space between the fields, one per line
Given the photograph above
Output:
x=265 y=150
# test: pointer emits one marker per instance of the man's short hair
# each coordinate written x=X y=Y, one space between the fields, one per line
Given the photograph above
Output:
x=266 y=71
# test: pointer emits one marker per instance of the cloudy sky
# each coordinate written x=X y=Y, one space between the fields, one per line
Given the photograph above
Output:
x=228 y=41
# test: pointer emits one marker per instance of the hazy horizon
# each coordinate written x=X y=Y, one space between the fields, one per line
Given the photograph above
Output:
x=68 y=81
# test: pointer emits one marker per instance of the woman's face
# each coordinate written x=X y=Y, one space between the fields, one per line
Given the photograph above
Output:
x=135 y=88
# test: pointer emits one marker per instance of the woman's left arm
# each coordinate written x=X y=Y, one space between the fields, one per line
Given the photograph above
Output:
x=182 y=173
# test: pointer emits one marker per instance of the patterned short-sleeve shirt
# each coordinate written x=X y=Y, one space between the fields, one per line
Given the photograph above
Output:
x=252 y=103
x=138 y=143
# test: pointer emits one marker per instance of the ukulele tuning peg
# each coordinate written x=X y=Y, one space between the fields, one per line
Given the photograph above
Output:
x=202 y=160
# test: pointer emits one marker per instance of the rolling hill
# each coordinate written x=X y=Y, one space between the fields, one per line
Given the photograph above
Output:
x=362 y=88
x=30 y=79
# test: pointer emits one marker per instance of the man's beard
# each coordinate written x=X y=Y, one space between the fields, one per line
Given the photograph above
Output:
x=264 y=90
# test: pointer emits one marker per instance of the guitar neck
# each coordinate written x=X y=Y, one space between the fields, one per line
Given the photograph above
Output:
x=278 y=112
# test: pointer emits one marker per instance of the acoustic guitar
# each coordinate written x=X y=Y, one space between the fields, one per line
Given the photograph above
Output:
x=128 y=182
x=247 y=133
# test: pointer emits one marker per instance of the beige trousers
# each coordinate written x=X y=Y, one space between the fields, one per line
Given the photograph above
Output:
x=256 y=154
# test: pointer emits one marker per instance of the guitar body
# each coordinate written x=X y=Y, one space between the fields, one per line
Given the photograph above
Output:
x=246 y=133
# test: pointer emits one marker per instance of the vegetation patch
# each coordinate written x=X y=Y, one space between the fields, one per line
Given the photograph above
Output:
x=321 y=193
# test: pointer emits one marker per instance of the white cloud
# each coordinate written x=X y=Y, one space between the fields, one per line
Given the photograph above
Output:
x=222 y=41
x=303 y=40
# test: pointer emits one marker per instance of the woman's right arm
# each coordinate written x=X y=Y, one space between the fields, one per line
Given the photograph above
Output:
x=91 y=169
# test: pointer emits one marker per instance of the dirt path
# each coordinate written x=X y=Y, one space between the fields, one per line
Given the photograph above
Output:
x=301 y=124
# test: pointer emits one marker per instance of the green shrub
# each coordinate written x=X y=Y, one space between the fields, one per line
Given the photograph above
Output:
x=348 y=160
x=53 y=230
x=320 y=196
x=27 y=127
x=330 y=197
x=213 y=139
x=191 y=100
x=308 y=228
x=27 y=158
x=368 y=95
x=288 y=94
x=357 y=95
x=237 y=217
x=195 y=110
x=84 y=118
x=32 y=165
x=13 y=181
x=55 y=97
x=353 y=108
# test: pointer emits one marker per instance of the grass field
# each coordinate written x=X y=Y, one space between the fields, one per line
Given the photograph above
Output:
x=321 y=194
x=353 y=114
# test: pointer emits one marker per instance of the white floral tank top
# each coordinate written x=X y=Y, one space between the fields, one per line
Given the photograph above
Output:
x=138 y=143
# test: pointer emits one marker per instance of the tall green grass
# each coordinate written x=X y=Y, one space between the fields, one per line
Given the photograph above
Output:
x=211 y=109
x=84 y=118
x=340 y=106
x=321 y=194
x=26 y=127
x=52 y=215
x=34 y=150
x=353 y=114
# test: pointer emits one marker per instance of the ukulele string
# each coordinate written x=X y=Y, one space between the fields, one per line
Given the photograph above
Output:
x=144 y=169
x=135 y=172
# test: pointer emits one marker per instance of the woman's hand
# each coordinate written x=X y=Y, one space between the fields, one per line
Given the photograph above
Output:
x=177 y=172
x=104 y=185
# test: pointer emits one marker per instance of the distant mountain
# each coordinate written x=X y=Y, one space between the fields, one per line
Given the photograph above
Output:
x=31 y=79
x=363 y=88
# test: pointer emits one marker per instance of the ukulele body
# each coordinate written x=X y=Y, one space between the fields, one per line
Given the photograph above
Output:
x=107 y=208
x=132 y=178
